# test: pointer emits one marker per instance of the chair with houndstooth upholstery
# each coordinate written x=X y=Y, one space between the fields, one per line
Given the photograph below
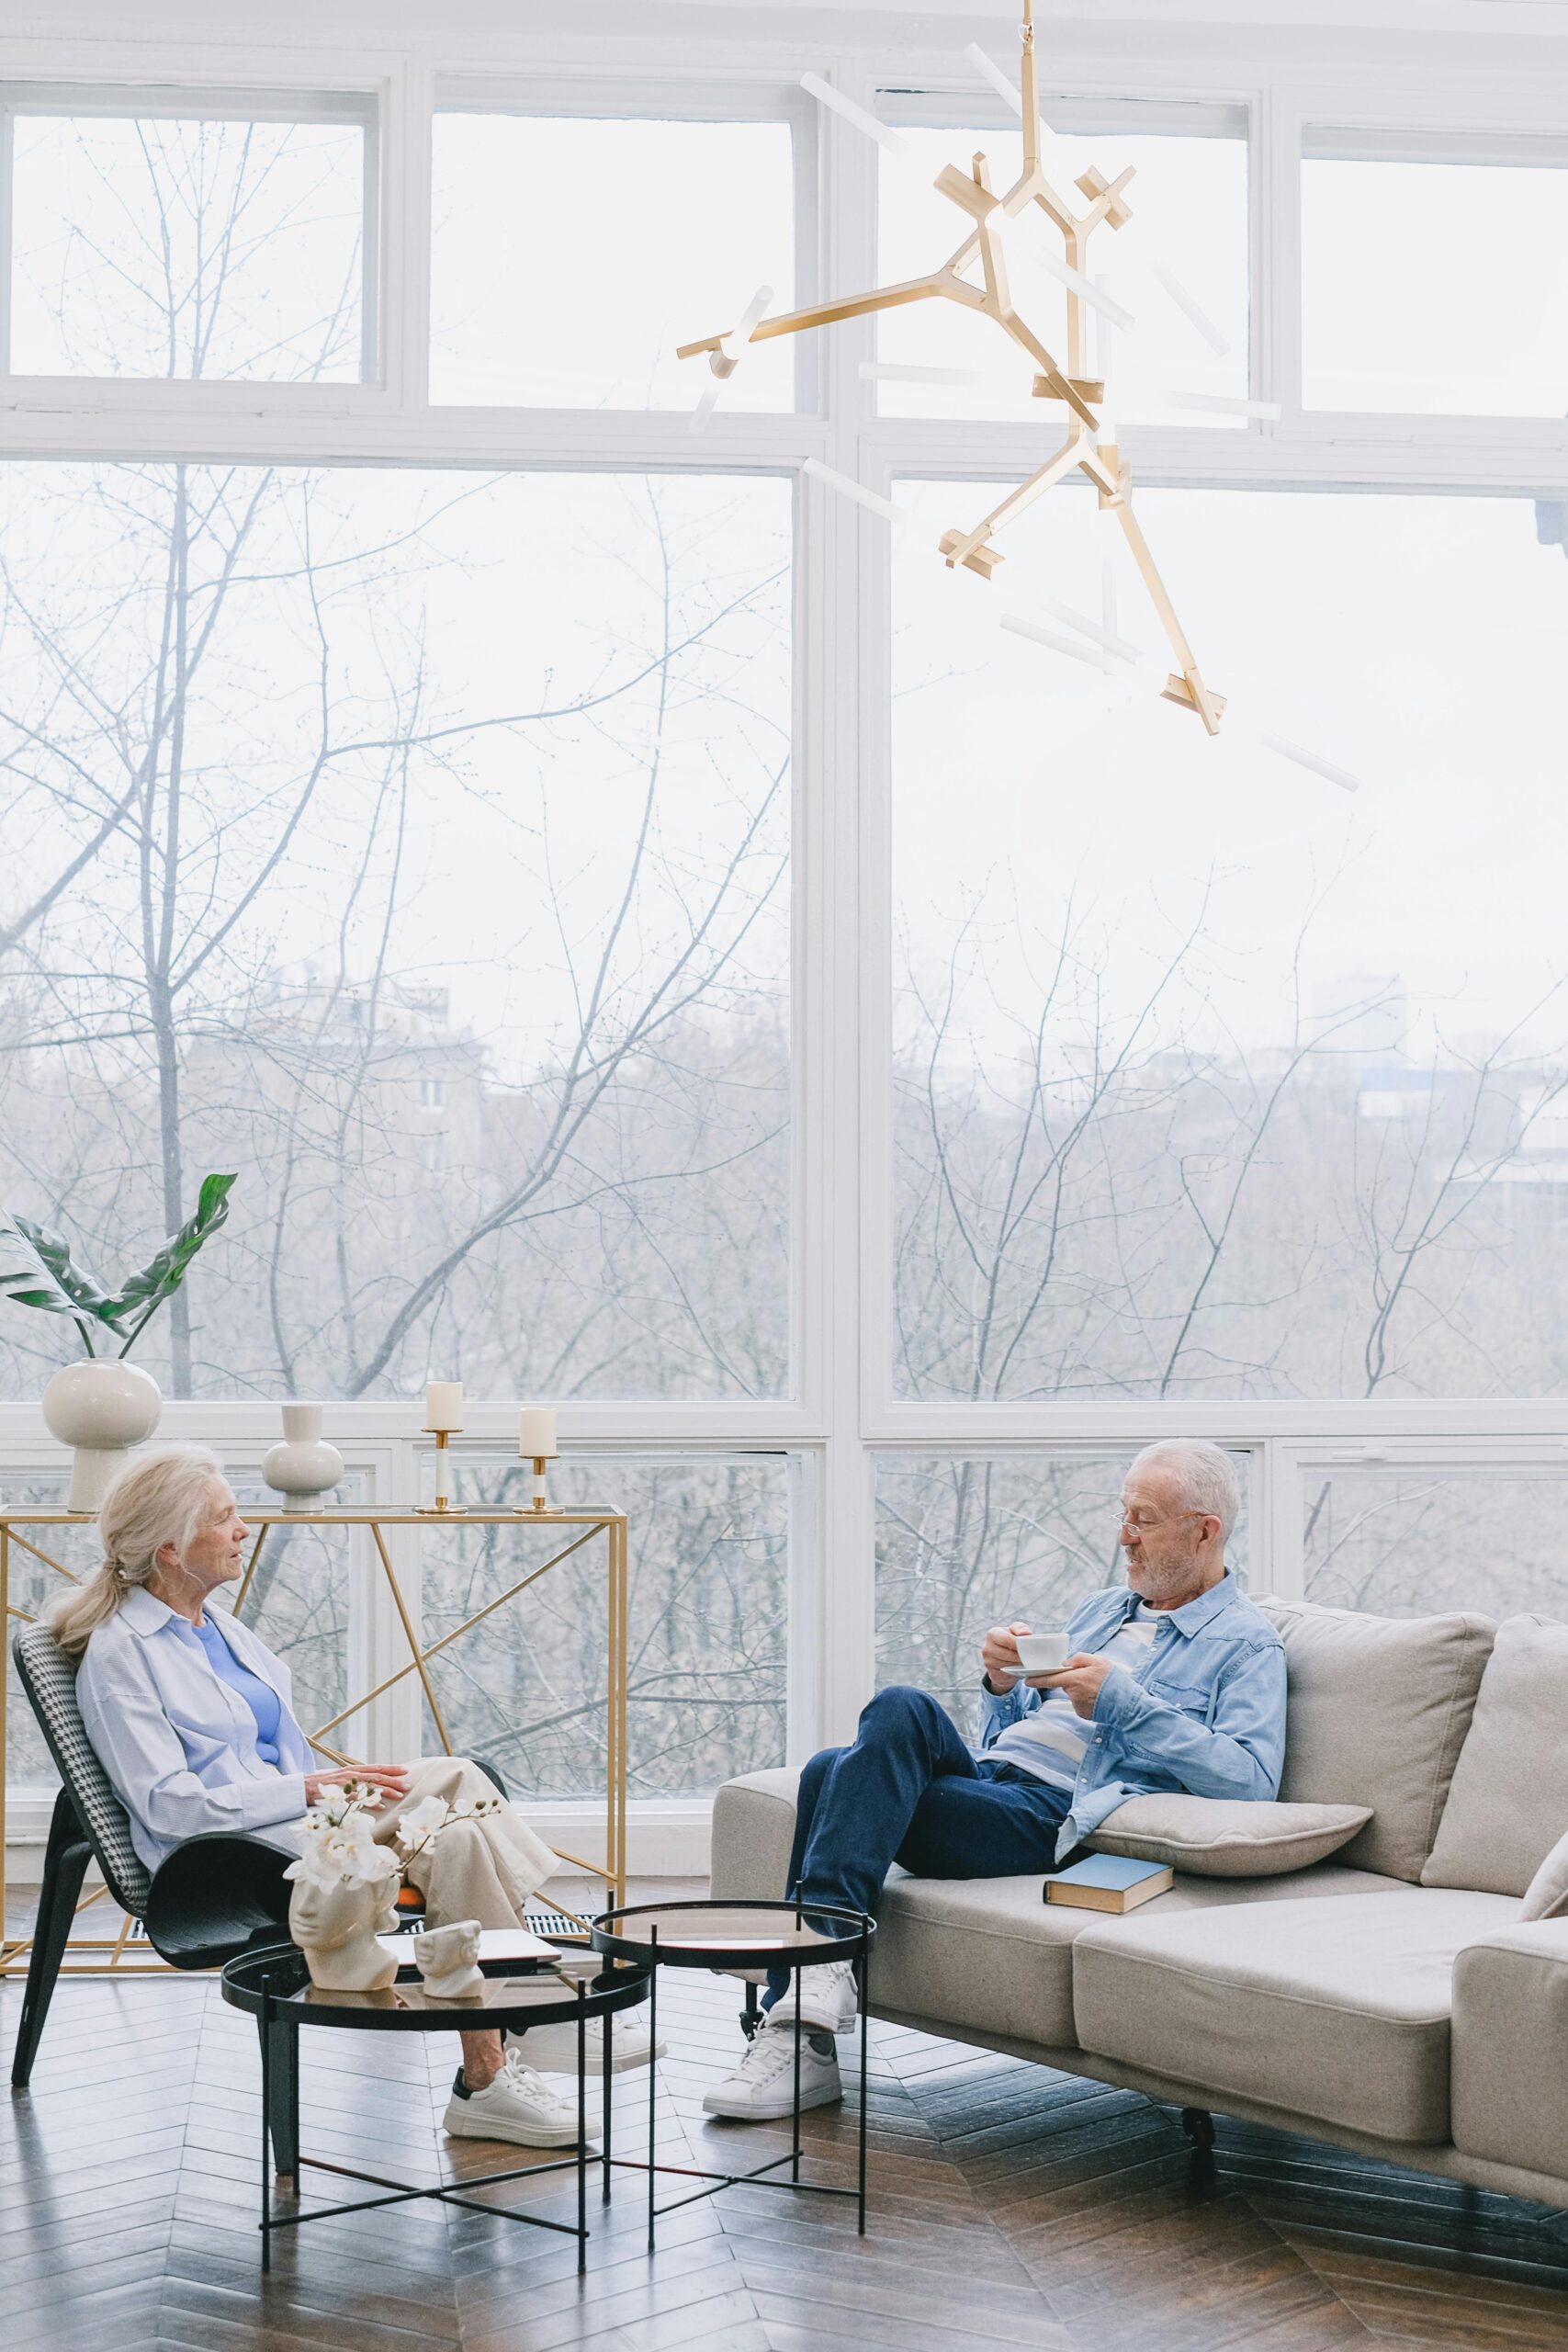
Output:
x=213 y=1899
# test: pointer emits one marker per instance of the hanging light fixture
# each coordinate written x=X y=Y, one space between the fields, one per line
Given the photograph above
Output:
x=1090 y=445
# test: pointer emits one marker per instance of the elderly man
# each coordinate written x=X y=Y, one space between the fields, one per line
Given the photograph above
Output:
x=1172 y=1681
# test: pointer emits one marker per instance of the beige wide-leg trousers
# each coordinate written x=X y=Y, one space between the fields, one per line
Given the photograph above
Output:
x=474 y=1870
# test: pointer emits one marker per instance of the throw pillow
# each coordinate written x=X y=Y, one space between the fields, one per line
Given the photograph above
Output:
x=1378 y=1710
x=1509 y=1798
x=1228 y=1836
x=1546 y=1897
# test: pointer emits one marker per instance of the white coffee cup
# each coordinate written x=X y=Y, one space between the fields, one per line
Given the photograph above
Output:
x=1042 y=1653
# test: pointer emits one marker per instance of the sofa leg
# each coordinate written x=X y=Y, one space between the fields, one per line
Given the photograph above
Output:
x=1199 y=2126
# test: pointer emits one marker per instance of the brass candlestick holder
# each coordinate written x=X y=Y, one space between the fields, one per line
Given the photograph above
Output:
x=541 y=1496
x=442 y=1507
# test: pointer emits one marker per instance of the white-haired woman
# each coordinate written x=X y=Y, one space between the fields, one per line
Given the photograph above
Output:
x=189 y=1714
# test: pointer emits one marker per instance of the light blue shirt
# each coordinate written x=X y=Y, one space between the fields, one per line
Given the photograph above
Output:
x=1202 y=1710
x=260 y=1697
x=180 y=1745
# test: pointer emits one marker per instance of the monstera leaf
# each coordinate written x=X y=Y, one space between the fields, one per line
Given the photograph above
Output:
x=32 y=1263
x=38 y=1269
x=163 y=1275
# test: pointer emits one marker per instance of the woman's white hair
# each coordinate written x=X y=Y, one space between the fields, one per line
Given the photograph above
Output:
x=1204 y=1478
x=163 y=1498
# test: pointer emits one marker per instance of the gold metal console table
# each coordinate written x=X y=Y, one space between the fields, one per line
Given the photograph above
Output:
x=128 y=1957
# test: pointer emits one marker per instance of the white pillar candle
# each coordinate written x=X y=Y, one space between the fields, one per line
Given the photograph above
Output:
x=537 y=1432
x=442 y=1404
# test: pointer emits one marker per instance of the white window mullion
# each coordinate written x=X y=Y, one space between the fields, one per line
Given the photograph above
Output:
x=402 y=210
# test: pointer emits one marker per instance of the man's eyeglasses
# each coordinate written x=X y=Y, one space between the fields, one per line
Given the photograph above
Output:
x=1146 y=1526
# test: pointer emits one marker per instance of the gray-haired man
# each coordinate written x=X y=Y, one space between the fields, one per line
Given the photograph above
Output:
x=1173 y=1681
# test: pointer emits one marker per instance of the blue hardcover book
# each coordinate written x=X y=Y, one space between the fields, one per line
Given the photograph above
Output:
x=1108 y=1883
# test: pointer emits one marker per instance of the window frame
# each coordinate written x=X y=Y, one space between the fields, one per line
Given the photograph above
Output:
x=841 y=1412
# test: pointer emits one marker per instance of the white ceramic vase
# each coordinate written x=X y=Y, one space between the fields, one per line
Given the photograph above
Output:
x=336 y=1926
x=304 y=1465
x=98 y=1407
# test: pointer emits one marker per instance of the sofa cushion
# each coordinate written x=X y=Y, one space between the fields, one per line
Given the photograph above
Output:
x=1546 y=1897
x=986 y=1956
x=1510 y=2047
x=1377 y=1711
x=1335 y=2010
x=1228 y=1836
x=1508 y=1805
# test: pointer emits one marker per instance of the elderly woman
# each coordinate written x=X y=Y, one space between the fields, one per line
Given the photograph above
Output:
x=189 y=1714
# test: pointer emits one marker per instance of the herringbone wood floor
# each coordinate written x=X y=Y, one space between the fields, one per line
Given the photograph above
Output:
x=1011 y=2206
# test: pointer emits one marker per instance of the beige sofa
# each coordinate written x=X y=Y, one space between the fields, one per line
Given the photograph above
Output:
x=1388 y=1999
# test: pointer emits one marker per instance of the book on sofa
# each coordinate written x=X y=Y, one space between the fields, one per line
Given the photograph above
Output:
x=1108 y=1883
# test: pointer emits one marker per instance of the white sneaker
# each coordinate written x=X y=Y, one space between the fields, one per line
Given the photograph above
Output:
x=552 y=2049
x=828 y=1998
x=518 y=2106
x=762 y=2086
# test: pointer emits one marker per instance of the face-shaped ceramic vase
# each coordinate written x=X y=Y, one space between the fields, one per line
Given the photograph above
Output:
x=447 y=1959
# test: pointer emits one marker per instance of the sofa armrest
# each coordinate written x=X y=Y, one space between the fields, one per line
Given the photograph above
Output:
x=753 y=1828
x=1510 y=2047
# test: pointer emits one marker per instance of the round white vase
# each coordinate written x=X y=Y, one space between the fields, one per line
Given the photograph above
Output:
x=99 y=1407
x=304 y=1465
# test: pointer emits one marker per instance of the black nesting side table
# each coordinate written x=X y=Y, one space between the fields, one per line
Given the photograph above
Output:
x=275 y=1985
x=725 y=1937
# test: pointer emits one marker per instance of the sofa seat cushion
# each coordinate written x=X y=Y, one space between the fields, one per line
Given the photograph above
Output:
x=1508 y=1805
x=986 y=1956
x=1376 y=1712
x=1338 y=2011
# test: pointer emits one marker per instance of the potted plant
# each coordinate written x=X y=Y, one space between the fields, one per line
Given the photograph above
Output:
x=103 y=1404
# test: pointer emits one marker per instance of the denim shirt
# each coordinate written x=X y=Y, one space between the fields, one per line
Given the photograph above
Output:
x=1203 y=1712
x=179 y=1744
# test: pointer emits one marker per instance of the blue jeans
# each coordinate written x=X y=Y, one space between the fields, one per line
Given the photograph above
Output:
x=910 y=1791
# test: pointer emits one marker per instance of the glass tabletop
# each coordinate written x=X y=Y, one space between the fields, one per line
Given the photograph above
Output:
x=510 y=1996
x=742 y=1935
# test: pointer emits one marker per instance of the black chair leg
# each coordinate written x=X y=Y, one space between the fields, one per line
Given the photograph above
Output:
x=65 y=1860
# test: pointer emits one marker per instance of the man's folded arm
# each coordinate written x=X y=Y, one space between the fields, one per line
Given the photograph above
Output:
x=1240 y=1754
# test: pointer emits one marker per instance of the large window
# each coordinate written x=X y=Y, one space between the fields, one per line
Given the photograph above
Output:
x=1215 y=1080
x=647 y=938
x=570 y=257
x=473 y=958
x=150 y=237
x=1432 y=274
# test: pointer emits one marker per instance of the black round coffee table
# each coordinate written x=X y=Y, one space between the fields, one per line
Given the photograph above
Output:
x=275 y=1985
x=725 y=1937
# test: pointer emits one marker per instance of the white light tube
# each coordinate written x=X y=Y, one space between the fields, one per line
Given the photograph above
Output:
x=1021 y=626
x=1102 y=635
x=836 y=102
x=989 y=70
x=734 y=347
x=890 y=371
x=847 y=487
x=1221 y=404
x=1075 y=279
x=1304 y=758
x=1190 y=307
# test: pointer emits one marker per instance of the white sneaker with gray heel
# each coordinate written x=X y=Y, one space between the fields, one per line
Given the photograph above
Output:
x=828 y=1997
x=762 y=2086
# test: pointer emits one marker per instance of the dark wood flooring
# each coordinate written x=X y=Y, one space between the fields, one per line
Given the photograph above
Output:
x=1011 y=2207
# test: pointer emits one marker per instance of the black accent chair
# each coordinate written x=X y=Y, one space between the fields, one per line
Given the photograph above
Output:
x=213 y=1899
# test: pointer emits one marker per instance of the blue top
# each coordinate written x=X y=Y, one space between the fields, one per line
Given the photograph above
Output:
x=1201 y=1709
x=263 y=1701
